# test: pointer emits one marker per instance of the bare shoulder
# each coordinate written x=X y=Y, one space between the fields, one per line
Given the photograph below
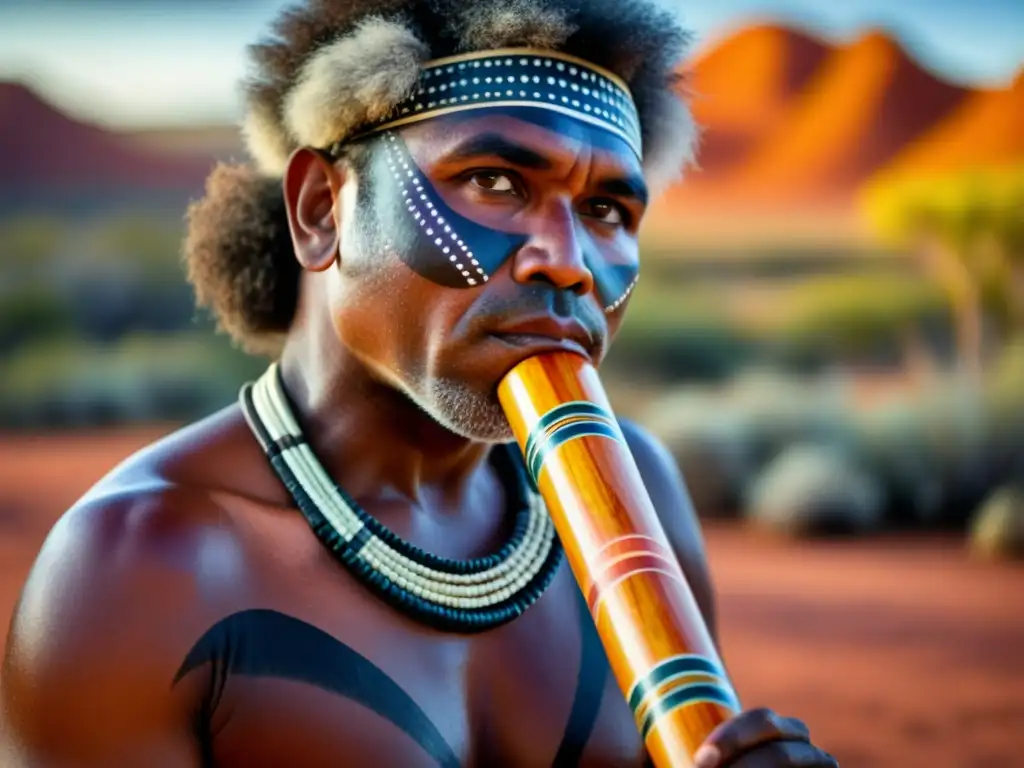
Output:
x=111 y=605
x=667 y=489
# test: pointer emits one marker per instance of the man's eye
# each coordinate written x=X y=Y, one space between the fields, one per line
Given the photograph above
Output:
x=493 y=181
x=606 y=212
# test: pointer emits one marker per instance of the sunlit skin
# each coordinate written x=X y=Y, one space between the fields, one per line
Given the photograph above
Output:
x=394 y=378
x=438 y=337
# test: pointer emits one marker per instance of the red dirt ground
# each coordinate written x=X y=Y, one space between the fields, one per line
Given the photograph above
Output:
x=896 y=653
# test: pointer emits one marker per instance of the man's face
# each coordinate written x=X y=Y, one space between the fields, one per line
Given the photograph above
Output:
x=474 y=241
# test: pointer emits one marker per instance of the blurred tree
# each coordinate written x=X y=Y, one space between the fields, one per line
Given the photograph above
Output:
x=28 y=245
x=1000 y=247
x=863 y=317
x=968 y=230
x=30 y=311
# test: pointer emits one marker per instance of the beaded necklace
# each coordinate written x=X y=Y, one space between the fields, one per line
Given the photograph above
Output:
x=450 y=595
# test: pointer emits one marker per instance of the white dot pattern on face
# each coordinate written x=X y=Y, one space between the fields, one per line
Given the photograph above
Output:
x=625 y=295
x=425 y=213
x=569 y=87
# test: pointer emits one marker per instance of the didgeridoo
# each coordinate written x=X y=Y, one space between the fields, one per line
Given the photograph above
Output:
x=657 y=643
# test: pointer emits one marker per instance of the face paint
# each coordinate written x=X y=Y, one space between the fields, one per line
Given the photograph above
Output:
x=450 y=249
x=432 y=239
x=613 y=281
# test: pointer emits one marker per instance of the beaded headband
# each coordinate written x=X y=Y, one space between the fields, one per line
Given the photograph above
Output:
x=520 y=77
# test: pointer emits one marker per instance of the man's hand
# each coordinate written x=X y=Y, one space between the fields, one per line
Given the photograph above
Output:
x=759 y=738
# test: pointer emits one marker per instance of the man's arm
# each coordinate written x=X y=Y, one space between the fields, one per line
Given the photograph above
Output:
x=668 y=493
x=94 y=643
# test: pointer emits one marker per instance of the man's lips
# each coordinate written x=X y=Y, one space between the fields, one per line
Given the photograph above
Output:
x=536 y=345
x=547 y=334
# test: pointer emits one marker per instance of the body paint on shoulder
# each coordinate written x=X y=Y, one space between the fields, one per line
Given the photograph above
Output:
x=263 y=643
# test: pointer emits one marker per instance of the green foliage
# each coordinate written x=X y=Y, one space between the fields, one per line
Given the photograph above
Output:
x=849 y=316
x=674 y=334
x=723 y=439
x=955 y=206
x=968 y=225
x=29 y=244
x=148 y=243
x=710 y=443
x=659 y=303
x=1006 y=377
x=997 y=530
x=68 y=382
x=98 y=279
x=711 y=351
x=682 y=332
x=934 y=454
x=815 y=490
x=34 y=310
x=893 y=445
x=937 y=455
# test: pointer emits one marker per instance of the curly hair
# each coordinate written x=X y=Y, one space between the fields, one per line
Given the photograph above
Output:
x=330 y=67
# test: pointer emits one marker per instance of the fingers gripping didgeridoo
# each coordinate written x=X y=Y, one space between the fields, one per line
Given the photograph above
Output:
x=654 y=636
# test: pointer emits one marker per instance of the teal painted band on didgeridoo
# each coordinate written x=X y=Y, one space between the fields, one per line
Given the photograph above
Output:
x=561 y=435
x=672 y=667
x=683 y=696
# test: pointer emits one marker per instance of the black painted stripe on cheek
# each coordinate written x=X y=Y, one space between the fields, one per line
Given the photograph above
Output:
x=442 y=245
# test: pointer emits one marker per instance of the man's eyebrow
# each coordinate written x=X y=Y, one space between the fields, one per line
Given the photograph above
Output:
x=496 y=145
x=626 y=186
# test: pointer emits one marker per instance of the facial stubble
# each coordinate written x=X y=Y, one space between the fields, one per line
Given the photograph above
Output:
x=473 y=412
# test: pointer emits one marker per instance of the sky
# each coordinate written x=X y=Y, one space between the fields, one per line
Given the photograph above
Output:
x=140 y=63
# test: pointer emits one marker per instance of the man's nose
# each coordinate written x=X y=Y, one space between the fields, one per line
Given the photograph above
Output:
x=554 y=252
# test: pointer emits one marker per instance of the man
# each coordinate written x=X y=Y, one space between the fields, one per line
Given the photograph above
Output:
x=351 y=567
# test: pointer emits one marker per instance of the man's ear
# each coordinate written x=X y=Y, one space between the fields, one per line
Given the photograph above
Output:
x=311 y=186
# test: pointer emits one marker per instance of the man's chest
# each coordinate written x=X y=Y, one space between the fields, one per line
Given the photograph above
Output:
x=290 y=691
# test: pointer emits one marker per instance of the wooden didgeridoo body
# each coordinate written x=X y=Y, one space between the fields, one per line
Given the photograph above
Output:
x=657 y=643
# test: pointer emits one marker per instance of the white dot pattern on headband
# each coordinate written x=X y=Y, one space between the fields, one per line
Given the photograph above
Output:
x=426 y=215
x=588 y=93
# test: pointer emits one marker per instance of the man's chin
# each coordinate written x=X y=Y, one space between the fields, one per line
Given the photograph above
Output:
x=480 y=427
x=463 y=410
x=467 y=412
x=490 y=438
